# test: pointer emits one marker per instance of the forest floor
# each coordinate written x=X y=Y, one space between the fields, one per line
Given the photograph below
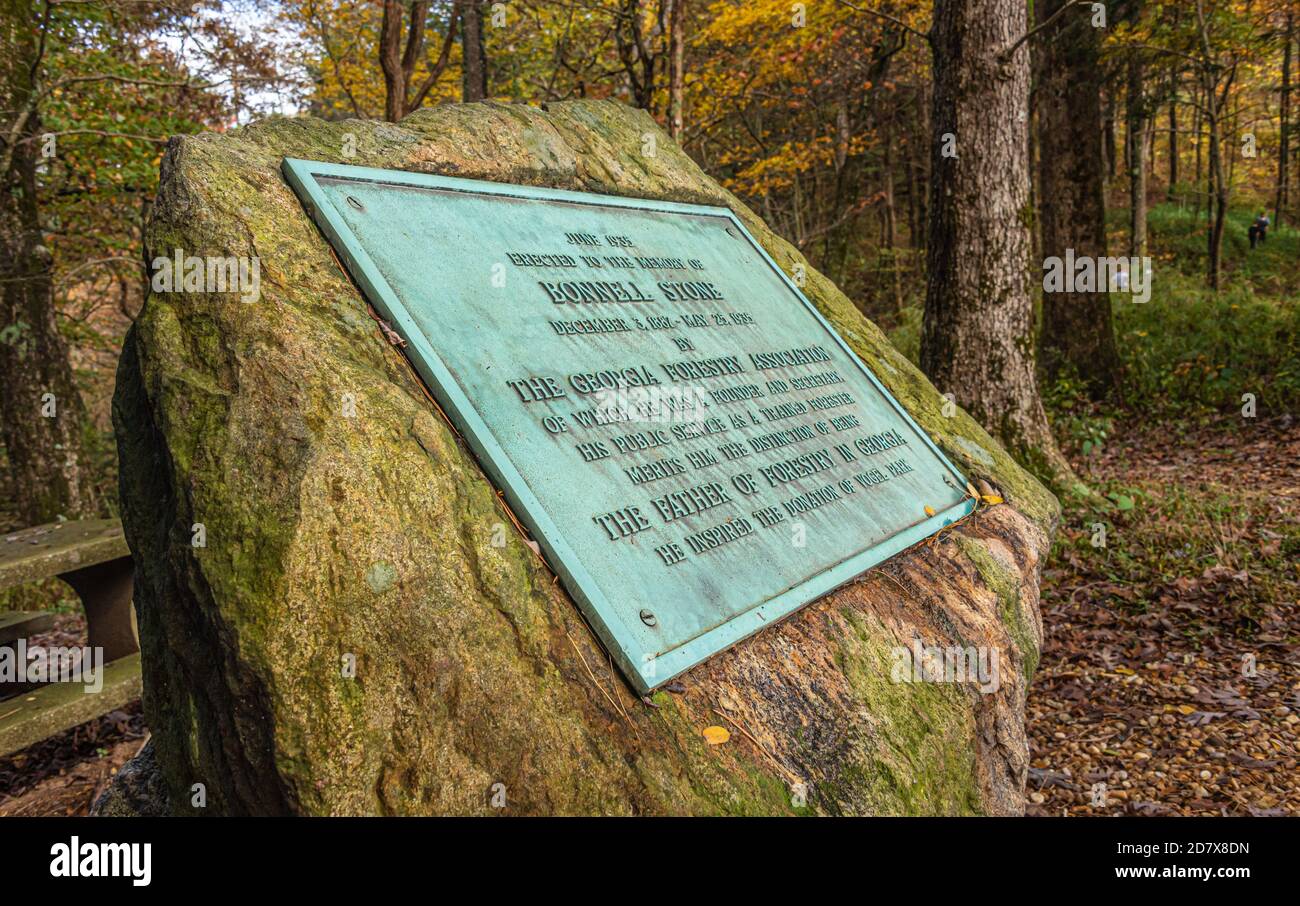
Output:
x=1171 y=669
x=1170 y=678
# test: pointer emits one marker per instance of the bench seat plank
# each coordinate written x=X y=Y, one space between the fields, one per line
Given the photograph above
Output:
x=53 y=708
x=23 y=624
x=33 y=554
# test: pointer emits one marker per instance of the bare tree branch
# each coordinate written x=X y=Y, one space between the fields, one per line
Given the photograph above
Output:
x=887 y=17
x=1046 y=23
x=438 y=68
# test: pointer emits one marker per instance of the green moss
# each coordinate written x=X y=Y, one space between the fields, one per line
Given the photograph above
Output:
x=725 y=779
x=1005 y=585
x=922 y=759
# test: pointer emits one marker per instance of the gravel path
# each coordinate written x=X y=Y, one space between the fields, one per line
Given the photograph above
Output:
x=1170 y=680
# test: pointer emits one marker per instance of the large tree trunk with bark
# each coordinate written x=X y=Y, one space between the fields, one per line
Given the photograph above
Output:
x=41 y=412
x=977 y=340
x=392 y=57
x=1077 y=329
x=473 y=52
x=398 y=59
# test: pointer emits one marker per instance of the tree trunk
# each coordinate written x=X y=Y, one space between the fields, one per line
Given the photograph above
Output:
x=636 y=55
x=1197 y=126
x=1077 y=328
x=1136 y=128
x=1284 y=145
x=1151 y=147
x=1216 y=98
x=1233 y=139
x=977 y=339
x=840 y=235
x=41 y=412
x=1173 y=148
x=922 y=170
x=390 y=38
x=677 y=62
x=913 y=221
x=1218 y=190
x=890 y=217
x=1108 y=137
x=398 y=61
x=1035 y=232
x=473 y=52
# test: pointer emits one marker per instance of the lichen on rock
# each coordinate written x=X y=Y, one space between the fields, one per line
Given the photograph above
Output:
x=348 y=639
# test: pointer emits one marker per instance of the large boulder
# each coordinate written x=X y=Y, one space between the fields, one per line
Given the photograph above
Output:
x=136 y=791
x=478 y=685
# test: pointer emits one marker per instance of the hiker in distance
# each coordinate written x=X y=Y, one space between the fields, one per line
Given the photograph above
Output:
x=1258 y=231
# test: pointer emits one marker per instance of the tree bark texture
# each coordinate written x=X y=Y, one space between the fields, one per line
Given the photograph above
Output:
x=1077 y=329
x=977 y=340
x=41 y=412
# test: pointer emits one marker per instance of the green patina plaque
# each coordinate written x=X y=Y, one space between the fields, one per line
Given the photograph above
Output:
x=695 y=449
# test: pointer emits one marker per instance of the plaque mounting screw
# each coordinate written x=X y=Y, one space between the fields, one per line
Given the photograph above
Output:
x=648 y=618
x=355 y=203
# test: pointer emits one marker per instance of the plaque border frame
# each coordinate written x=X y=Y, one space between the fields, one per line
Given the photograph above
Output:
x=646 y=671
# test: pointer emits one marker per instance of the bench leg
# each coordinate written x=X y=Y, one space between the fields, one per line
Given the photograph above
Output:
x=105 y=592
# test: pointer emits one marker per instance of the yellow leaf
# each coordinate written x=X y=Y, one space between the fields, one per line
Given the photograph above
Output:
x=716 y=736
x=991 y=499
x=970 y=489
x=1124 y=671
x=929 y=511
x=1186 y=709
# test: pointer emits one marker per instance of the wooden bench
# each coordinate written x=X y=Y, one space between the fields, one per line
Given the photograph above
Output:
x=91 y=556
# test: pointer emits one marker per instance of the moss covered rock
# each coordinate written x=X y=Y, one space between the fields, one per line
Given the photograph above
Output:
x=478 y=688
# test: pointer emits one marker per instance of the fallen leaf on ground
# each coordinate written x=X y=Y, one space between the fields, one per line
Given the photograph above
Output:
x=715 y=736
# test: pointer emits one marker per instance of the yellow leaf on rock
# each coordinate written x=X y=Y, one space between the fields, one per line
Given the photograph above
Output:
x=991 y=499
x=716 y=736
x=929 y=511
